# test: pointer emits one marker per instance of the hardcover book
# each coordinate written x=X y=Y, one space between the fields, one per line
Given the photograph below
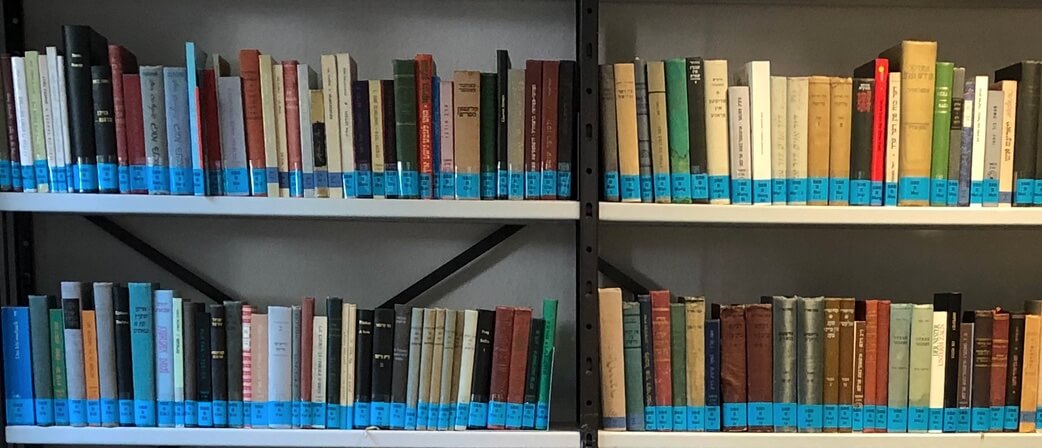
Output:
x=811 y=334
x=717 y=152
x=18 y=367
x=916 y=60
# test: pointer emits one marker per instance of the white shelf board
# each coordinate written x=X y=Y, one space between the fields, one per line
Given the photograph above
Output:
x=64 y=435
x=820 y=215
x=116 y=204
x=610 y=439
x=1011 y=440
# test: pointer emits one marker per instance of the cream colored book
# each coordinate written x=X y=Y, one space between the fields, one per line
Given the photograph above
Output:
x=457 y=361
x=613 y=385
x=32 y=82
x=48 y=115
x=980 y=124
x=742 y=157
x=376 y=136
x=281 y=141
x=179 y=354
x=659 y=128
x=839 y=140
x=318 y=366
x=695 y=316
x=348 y=338
x=758 y=78
x=893 y=139
x=331 y=101
x=59 y=111
x=938 y=359
x=437 y=356
x=467 y=128
x=626 y=122
x=918 y=62
x=268 y=112
x=717 y=148
x=21 y=97
x=466 y=370
x=448 y=355
x=920 y=358
x=346 y=75
x=779 y=140
x=1009 y=129
x=796 y=139
x=819 y=105
x=1029 y=385
x=426 y=357
x=259 y=352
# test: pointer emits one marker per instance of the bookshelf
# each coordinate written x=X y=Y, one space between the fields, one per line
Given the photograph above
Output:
x=749 y=440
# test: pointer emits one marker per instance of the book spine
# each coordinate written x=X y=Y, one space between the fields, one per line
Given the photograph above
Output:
x=549 y=145
x=659 y=135
x=232 y=137
x=376 y=138
x=965 y=372
x=871 y=364
x=253 y=119
x=345 y=78
x=880 y=116
x=661 y=331
x=546 y=364
x=758 y=74
x=406 y=177
x=961 y=136
x=533 y=120
x=334 y=359
x=468 y=341
x=488 y=117
x=76 y=40
x=210 y=180
x=831 y=366
x=713 y=372
x=733 y=368
x=137 y=161
x=779 y=140
x=279 y=366
x=278 y=103
x=247 y=364
x=897 y=385
x=24 y=126
x=918 y=65
x=978 y=142
x=678 y=357
x=632 y=365
x=483 y=356
x=647 y=364
x=861 y=133
x=678 y=128
x=522 y=327
x=164 y=336
x=295 y=328
x=515 y=135
x=47 y=122
x=104 y=129
x=981 y=376
x=153 y=104
x=195 y=60
x=760 y=375
x=846 y=364
x=502 y=120
x=18 y=368
x=999 y=357
x=942 y=112
x=717 y=150
x=415 y=357
x=355 y=357
x=363 y=140
x=1009 y=114
x=319 y=357
x=938 y=361
x=448 y=356
x=219 y=366
x=203 y=369
x=533 y=371
x=819 y=120
x=381 y=350
x=741 y=149
x=260 y=408
x=40 y=343
x=796 y=135
x=233 y=345
x=626 y=116
x=951 y=363
x=695 y=334
x=306 y=78
x=696 y=110
x=400 y=366
x=883 y=368
x=437 y=350
x=640 y=72
x=501 y=359
x=1014 y=372
x=1029 y=376
x=331 y=126
x=59 y=375
x=785 y=363
x=123 y=353
x=318 y=141
x=811 y=334
x=178 y=139
x=609 y=133
x=10 y=118
x=466 y=131
x=919 y=368
x=270 y=122
x=860 y=373
x=424 y=368
x=294 y=156
x=92 y=385
x=424 y=121
x=893 y=140
x=1028 y=75
x=307 y=347
x=142 y=330
x=179 y=361
x=191 y=359
x=839 y=140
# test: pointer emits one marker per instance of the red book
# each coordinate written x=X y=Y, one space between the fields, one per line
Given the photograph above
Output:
x=660 y=333
x=519 y=355
x=253 y=115
x=296 y=164
x=307 y=328
x=499 y=384
x=871 y=354
x=122 y=61
x=424 y=121
x=733 y=371
x=533 y=134
x=759 y=365
x=12 y=123
x=549 y=129
x=882 y=77
x=999 y=357
x=135 y=126
x=882 y=353
x=214 y=161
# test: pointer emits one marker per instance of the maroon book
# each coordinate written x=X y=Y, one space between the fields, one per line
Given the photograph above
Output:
x=253 y=115
x=307 y=327
x=499 y=386
x=660 y=334
x=759 y=348
x=549 y=128
x=882 y=353
x=121 y=61
x=533 y=134
x=12 y=123
x=999 y=357
x=211 y=130
x=519 y=355
x=425 y=122
x=135 y=127
x=733 y=371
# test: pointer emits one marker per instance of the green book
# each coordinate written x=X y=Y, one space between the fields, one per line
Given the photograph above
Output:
x=632 y=366
x=489 y=117
x=59 y=384
x=405 y=127
x=32 y=82
x=677 y=120
x=942 y=122
x=546 y=365
x=40 y=340
x=678 y=358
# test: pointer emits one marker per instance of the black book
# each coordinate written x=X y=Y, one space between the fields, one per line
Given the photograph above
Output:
x=400 y=364
x=218 y=364
x=1028 y=75
x=502 y=86
x=696 y=110
x=1015 y=368
x=104 y=128
x=233 y=358
x=124 y=352
x=203 y=372
x=334 y=339
x=566 y=100
x=381 y=348
x=83 y=48
x=390 y=155
x=363 y=151
x=480 y=382
x=190 y=349
x=647 y=352
x=861 y=134
x=951 y=302
x=364 y=363
x=535 y=356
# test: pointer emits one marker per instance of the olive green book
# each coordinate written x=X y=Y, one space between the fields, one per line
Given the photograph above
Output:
x=32 y=82
x=679 y=140
x=678 y=357
x=942 y=119
x=58 y=378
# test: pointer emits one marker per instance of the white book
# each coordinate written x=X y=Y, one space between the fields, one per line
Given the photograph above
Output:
x=331 y=100
x=106 y=331
x=796 y=137
x=233 y=136
x=1009 y=128
x=466 y=372
x=57 y=91
x=348 y=335
x=741 y=149
x=318 y=367
x=63 y=113
x=280 y=366
x=415 y=347
x=164 y=335
x=21 y=110
x=426 y=357
x=980 y=125
x=306 y=78
x=717 y=149
x=437 y=360
x=516 y=132
x=893 y=140
x=993 y=148
x=48 y=120
x=447 y=184
x=376 y=137
x=271 y=145
x=447 y=355
x=346 y=75
x=179 y=358
x=758 y=74
x=938 y=356
x=278 y=84
x=779 y=140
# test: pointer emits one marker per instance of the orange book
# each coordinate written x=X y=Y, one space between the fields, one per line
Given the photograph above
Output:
x=90 y=362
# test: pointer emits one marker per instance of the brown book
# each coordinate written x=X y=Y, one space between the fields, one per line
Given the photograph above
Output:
x=499 y=386
x=253 y=113
x=660 y=334
x=818 y=123
x=519 y=355
x=847 y=346
x=467 y=121
x=999 y=358
x=533 y=120
x=882 y=361
x=982 y=334
x=839 y=139
x=871 y=359
x=965 y=360
x=307 y=328
x=759 y=350
x=830 y=389
x=549 y=122
x=860 y=347
x=733 y=369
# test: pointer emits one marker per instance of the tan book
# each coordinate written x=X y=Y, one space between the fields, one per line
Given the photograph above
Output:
x=717 y=147
x=319 y=357
x=447 y=358
x=779 y=139
x=613 y=385
x=818 y=128
x=830 y=389
x=467 y=121
x=1009 y=128
x=626 y=122
x=331 y=101
x=695 y=336
x=259 y=357
x=271 y=144
x=796 y=139
x=281 y=141
x=917 y=62
x=376 y=134
x=457 y=357
x=658 y=123
x=1029 y=383
x=318 y=108
x=346 y=74
x=437 y=355
x=847 y=346
x=426 y=356
x=348 y=336
x=839 y=140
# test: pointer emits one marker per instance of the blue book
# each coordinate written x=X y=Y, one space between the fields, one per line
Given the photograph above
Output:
x=178 y=137
x=142 y=338
x=164 y=337
x=195 y=60
x=18 y=368
x=712 y=373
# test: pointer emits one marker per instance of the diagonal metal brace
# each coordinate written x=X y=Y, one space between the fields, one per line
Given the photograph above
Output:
x=623 y=279
x=154 y=255
x=455 y=264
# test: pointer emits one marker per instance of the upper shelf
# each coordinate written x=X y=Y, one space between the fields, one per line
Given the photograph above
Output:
x=383 y=209
x=820 y=215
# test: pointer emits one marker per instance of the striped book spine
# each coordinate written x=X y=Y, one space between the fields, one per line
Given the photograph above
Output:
x=247 y=365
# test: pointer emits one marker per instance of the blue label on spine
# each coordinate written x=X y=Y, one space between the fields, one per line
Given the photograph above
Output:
x=839 y=192
x=179 y=414
x=85 y=177
x=630 y=187
x=497 y=414
x=108 y=177
x=857 y=418
x=797 y=191
x=661 y=186
x=952 y=197
x=158 y=179
x=720 y=187
x=939 y=192
x=996 y=418
x=564 y=183
x=166 y=413
x=761 y=414
x=427 y=184
x=550 y=184
x=860 y=192
x=144 y=412
x=897 y=420
x=646 y=188
x=876 y=194
x=205 y=409
x=735 y=415
x=363 y=416
x=20 y=411
x=28 y=179
x=198 y=185
x=296 y=184
x=869 y=418
x=696 y=418
x=918 y=419
x=478 y=415
x=350 y=181
x=965 y=420
x=951 y=420
x=364 y=181
x=528 y=416
x=977 y=192
x=333 y=416
x=423 y=413
x=122 y=173
x=258 y=414
x=220 y=414
x=517 y=185
x=462 y=413
x=44 y=411
x=1037 y=192
x=61 y=412
x=881 y=416
x=845 y=417
x=467 y=186
x=713 y=422
x=235 y=414
x=42 y=174
x=5 y=174
x=831 y=416
x=502 y=184
x=397 y=417
x=236 y=183
x=936 y=419
x=1022 y=191
x=191 y=413
x=410 y=418
x=542 y=416
x=392 y=184
x=1011 y=419
x=445 y=414
x=741 y=191
x=810 y=417
x=680 y=188
x=680 y=418
x=318 y=415
x=532 y=179
x=378 y=183
x=180 y=180
x=785 y=415
x=991 y=191
x=980 y=419
x=913 y=189
x=650 y=418
x=664 y=418
x=700 y=187
x=762 y=191
x=259 y=181
x=890 y=197
x=819 y=190
x=514 y=416
x=410 y=181
x=779 y=191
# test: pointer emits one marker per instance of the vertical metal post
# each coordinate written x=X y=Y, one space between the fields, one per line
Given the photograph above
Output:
x=588 y=373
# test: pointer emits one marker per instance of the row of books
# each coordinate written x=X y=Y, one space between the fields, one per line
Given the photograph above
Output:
x=93 y=120
x=813 y=364
x=906 y=129
x=134 y=355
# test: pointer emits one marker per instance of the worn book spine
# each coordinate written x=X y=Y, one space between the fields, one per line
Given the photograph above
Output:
x=965 y=372
x=40 y=344
x=647 y=364
x=483 y=355
x=640 y=71
x=416 y=328
x=609 y=134
x=520 y=330
x=178 y=140
x=381 y=376
x=785 y=362
x=811 y=375
x=319 y=357
x=350 y=365
x=659 y=134
x=295 y=413
x=359 y=400
x=164 y=332
x=696 y=110
x=453 y=389
x=999 y=358
x=678 y=356
x=916 y=60
x=981 y=376
x=188 y=343
x=233 y=359
x=919 y=368
x=203 y=366
x=632 y=371
x=860 y=342
x=779 y=140
x=845 y=396
x=713 y=372
x=334 y=358
x=960 y=136
x=278 y=96
x=695 y=332
x=467 y=133
x=362 y=140
x=331 y=118
x=153 y=104
x=717 y=159
x=535 y=352
x=861 y=134
x=346 y=74
x=1029 y=376
x=1028 y=75
x=660 y=326
x=533 y=120
x=871 y=361
x=733 y=373
x=796 y=139
x=818 y=128
x=678 y=122
x=219 y=364
x=425 y=123
x=550 y=127
x=882 y=366
x=142 y=340
x=468 y=341
x=830 y=387
x=759 y=353
x=279 y=365
x=501 y=359
x=839 y=140
x=446 y=406
x=430 y=316
x=566 y=128
x=741 y=149
x=515 y=135
x=399 y=366
x=626 y=116
x=897 y=385
x=253 y=119
x=1014 y=373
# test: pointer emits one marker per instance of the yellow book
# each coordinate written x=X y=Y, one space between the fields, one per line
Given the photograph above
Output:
x=331 y=101
x=1009 y=129
x=917 y=62
x=271 y=145
x=613 y=384
x=281 y=143
x=819 y=123
x=839 y=140
x=626 y=123
x=1029 y=382
x=659 y=128
x=376 y=136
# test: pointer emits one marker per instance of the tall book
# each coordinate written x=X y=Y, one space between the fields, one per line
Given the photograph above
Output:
x=871 y=364
x=897 y=385
x=819 y=108
x=219 y=365
x=502 y=126
x=965 y=384
x=882 y=366
x=796 y=139
x=104 y=125
x=1028 y=75
x=480 y=384
x=981 y=377
x=59 y=377
x=233 y=356
x=960 y=124
x=717 y=150
x=253 y=120
x=466 y=124
x=609 y=134
x=733 y=368
x=785 y=358
x=18 y=367
x=695 y=332
x=25 y=144
x=520 y=333
x=916 y=60
x=953 y=310
x=487 y=118
x=37 y=132
x=741 y=149
x=278 y=97
x=319 y=356
x=346 y=74
x=999 y=359
x=10 y=117
x=626 y=116
x=425 y=124
x=142 y=332
x=640 y=71
x=415 y=356
x=758 y=77
x=92 y=389
x=279 y=366
x=500 y=373
x=632 y=373
x=84 y=48
x=613 y=378
x=334 y=358
x=1014 y=373
x=938 y=362
x=942 y=111
x=830 y=388
x=406 y=127
x=164 y=336
x=1029 y=376
x=811 y=334
x=779 y=140
x=847 y=349
x=382 y=364
x=533 y=372
x=678 y=357
x=400 y=366
x=551 y=127
x=919 y=368
x=39 y=341
x=204 y=370
x=759 y=362
x=713 y=371
x=359 y=393
x=546 y=364
x=659 y=133
x=195 y=60
x=515 y=133
x=861 y=132
x=696 y=110
x=678 y=121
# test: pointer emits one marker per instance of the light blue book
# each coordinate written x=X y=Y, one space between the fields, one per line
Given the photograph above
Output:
x=18 y=368
x=153 y=116
x=178 y=135
x=164 y=337
x=195 y=60
x=142 y=317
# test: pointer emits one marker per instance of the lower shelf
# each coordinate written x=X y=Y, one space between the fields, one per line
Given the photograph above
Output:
x=609 y=439
x=64 y=435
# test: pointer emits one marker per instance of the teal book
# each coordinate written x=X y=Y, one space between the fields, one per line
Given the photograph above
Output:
x=195 y=60
x=632 y=366
x=679 y=140
x=142 y=332
x=18 y=366
x=546 y=365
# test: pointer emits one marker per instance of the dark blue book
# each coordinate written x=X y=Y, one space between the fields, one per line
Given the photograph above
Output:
x=18 y=367
x=712 y=372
